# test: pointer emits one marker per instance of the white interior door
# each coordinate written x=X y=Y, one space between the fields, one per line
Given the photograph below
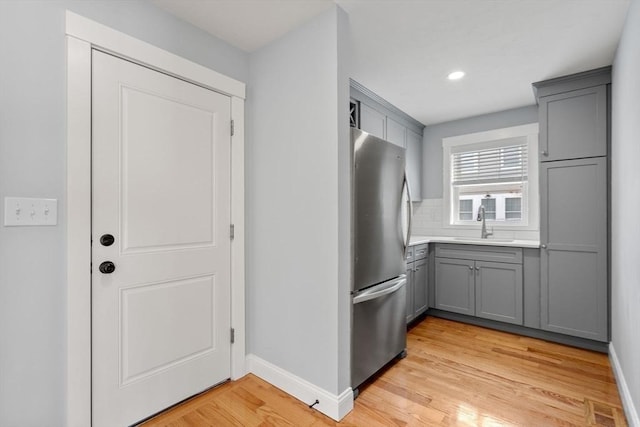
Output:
x=161 y=188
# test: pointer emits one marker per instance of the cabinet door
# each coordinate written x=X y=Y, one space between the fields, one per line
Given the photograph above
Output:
x=414 y=164
x=420 y=286
x=410 y=292
x=372 y=121
x=396 y=133
x=574 y=124
x=455 y=290
x=499 y=291
x=573 y=235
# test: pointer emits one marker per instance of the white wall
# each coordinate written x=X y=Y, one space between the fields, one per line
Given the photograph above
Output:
x=625 y=205
x=296 y=204
x=32 y=164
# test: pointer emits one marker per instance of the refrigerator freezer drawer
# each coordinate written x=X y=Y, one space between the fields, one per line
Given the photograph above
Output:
x=379 y=331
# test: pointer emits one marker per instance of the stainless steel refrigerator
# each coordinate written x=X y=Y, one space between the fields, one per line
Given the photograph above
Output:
x=382 y=225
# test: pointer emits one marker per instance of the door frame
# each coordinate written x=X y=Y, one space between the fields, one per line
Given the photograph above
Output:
x=83 y=35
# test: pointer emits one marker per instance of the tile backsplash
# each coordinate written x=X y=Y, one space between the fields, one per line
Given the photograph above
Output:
x=428 y=221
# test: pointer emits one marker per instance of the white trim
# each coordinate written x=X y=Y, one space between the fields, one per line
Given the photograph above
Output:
x=487 y=139
x=631 y=412
x=144 y=53
x=334 y=406
x=238 y=349
x=83 y=35
x=491 y=135
x=78 y=233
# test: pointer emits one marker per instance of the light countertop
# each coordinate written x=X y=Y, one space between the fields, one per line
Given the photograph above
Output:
x=417 y=240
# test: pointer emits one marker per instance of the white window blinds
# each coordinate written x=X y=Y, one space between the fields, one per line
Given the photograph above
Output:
x=490 y=166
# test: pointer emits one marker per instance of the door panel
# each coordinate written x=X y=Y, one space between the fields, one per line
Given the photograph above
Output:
x=410 y=291
x=152 y=185
x=396 y=133
x=420 y=286
x=573 y=227
x=571 y=293
x=574 y=124
x=455 y=285
x=499 y=291
x=147 y=329
x=161 y=187
x=372 y=121
x=414 y=164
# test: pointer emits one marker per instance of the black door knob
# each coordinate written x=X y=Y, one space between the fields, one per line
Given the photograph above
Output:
x=107 y=240
x=107 y=267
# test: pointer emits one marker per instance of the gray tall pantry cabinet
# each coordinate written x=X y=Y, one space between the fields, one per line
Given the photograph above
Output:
x=574 y=198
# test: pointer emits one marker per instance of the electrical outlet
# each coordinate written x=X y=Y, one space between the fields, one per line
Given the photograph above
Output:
x=23 y=211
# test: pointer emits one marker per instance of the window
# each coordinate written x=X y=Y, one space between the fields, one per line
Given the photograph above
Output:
x=513 y=208
x=466 y=209
x=494 y=169
x=489 y=207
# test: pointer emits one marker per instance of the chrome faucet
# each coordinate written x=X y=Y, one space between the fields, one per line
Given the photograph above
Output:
x=481 y=217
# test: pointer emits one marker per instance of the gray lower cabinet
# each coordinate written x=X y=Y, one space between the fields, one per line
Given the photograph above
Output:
x=417 y=273
x=499 y=289
x=455 y=285
x=573 y=224
x=470 y=281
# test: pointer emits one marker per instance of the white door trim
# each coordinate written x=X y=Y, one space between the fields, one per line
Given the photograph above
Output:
x=83 y=35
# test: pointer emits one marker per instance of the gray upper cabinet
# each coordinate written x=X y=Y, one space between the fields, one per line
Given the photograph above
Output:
x=372 y=121
x=574 y=197
x=573 y=124
x=574 y=247
x=396 y=133
x=414 y=163
x=382 y=119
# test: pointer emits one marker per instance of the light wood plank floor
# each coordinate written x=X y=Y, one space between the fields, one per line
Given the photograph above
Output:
x=455 y=374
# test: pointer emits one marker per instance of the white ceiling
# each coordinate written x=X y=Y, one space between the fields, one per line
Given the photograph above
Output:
x=404 y=49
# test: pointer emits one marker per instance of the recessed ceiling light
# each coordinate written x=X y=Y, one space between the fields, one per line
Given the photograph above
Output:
x=456 y=75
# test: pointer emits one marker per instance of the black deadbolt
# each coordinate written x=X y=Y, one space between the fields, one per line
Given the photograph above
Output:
x=107 y=267
x=107 y=240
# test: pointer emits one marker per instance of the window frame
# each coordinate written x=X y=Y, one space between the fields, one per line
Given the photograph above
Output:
x=530 y=204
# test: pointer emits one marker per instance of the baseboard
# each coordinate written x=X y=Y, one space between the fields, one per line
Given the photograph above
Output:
x=334 y=406
x=630 y=410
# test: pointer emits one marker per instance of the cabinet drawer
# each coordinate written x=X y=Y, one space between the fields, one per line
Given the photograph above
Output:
x=480 y=253
x=420 y=251
x=410 y=253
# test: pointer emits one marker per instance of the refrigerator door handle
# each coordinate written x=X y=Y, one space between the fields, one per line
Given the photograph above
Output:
x=375 y=292
x=410 y=214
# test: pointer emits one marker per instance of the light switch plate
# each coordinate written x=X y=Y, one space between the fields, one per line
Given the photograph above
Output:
x=23 y=211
